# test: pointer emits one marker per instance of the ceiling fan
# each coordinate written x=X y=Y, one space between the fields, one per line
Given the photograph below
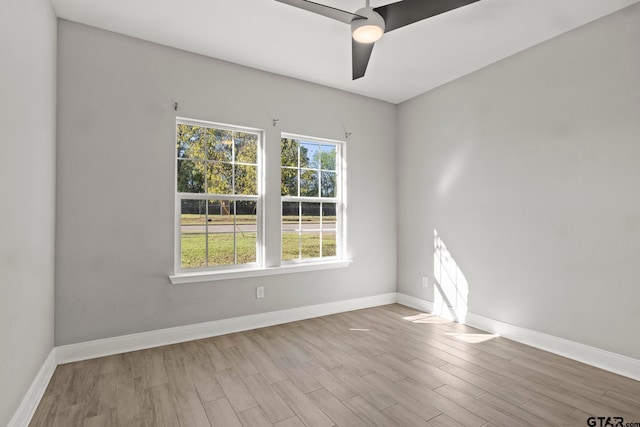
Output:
x=369 y=23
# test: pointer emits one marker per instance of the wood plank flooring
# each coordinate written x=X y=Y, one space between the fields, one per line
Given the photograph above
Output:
x=385 y=366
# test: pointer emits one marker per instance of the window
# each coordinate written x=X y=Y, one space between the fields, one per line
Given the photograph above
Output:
x=221 y=211
x=218 y=205
x=312 y=206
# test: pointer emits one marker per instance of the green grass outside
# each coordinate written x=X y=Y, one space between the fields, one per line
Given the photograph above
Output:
x=221 y=248
x=293 y=244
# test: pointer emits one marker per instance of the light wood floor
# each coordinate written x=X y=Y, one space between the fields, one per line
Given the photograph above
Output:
x=386 y=366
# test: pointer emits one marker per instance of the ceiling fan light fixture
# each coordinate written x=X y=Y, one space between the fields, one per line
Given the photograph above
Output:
x=367 y=33
x=367 y=30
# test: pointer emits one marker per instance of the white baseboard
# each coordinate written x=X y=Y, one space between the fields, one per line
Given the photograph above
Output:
x=31 y=400
x=122 y=344
x=613 y=362
x=413 y=302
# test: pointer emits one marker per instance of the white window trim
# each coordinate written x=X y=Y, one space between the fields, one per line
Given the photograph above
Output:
x=259 y=269
x=340 y=200
x=259 y=199
x=239 y=273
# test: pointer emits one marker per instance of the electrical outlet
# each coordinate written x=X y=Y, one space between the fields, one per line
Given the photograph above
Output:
x=425 y=282
x=260 y=292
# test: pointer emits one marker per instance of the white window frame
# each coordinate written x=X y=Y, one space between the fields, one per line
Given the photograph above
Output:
x=260 y=268
x=185 y=272
x=339 y=199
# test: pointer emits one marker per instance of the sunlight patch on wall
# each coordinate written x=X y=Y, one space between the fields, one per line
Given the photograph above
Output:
x=451 y=289
x=454 y=168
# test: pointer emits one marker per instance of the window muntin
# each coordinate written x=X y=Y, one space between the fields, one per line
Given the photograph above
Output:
x=311 y=198
x=217 y=196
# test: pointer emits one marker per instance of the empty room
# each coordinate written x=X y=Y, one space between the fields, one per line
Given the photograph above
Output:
x=329 y=213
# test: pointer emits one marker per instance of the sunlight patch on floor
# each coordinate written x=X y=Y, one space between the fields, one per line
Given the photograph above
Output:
x=471 y=338
x=425 y=318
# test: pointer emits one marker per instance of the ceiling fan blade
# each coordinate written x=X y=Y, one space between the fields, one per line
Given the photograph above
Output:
x=360 y=54
x=402 y=13
x=320 y=9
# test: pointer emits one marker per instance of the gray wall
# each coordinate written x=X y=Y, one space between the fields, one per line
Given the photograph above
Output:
x=28 y=127
x=116 y=126
x=529 y=170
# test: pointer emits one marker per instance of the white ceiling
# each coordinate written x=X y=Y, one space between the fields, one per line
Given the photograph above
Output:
x=282 y=39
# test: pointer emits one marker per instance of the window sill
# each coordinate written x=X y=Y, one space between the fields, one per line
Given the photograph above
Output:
x=208 y=276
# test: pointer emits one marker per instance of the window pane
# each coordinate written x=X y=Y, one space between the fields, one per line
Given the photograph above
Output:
x=328 y=216
x=309 y=183
x=219 y=144
x=189 y=143
x=290 y=245
x=310 y=244
x=309 y=229
x=309 y=155
x=246 y=247
x=289 y=182
x=221 y=232
x=289 y=152
x=328 y=157
x=246 y=232
x=310 y=238
x=328 y=243
x=328 y=184
x=193 y=228
x=246 y=213
x=190 y=176
x=216 y=161
x=219 y=178
x=246 y=179
x=290 y=213
x=329 y=229
x=290 y=230
x=311 y=214
x=246 y=147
